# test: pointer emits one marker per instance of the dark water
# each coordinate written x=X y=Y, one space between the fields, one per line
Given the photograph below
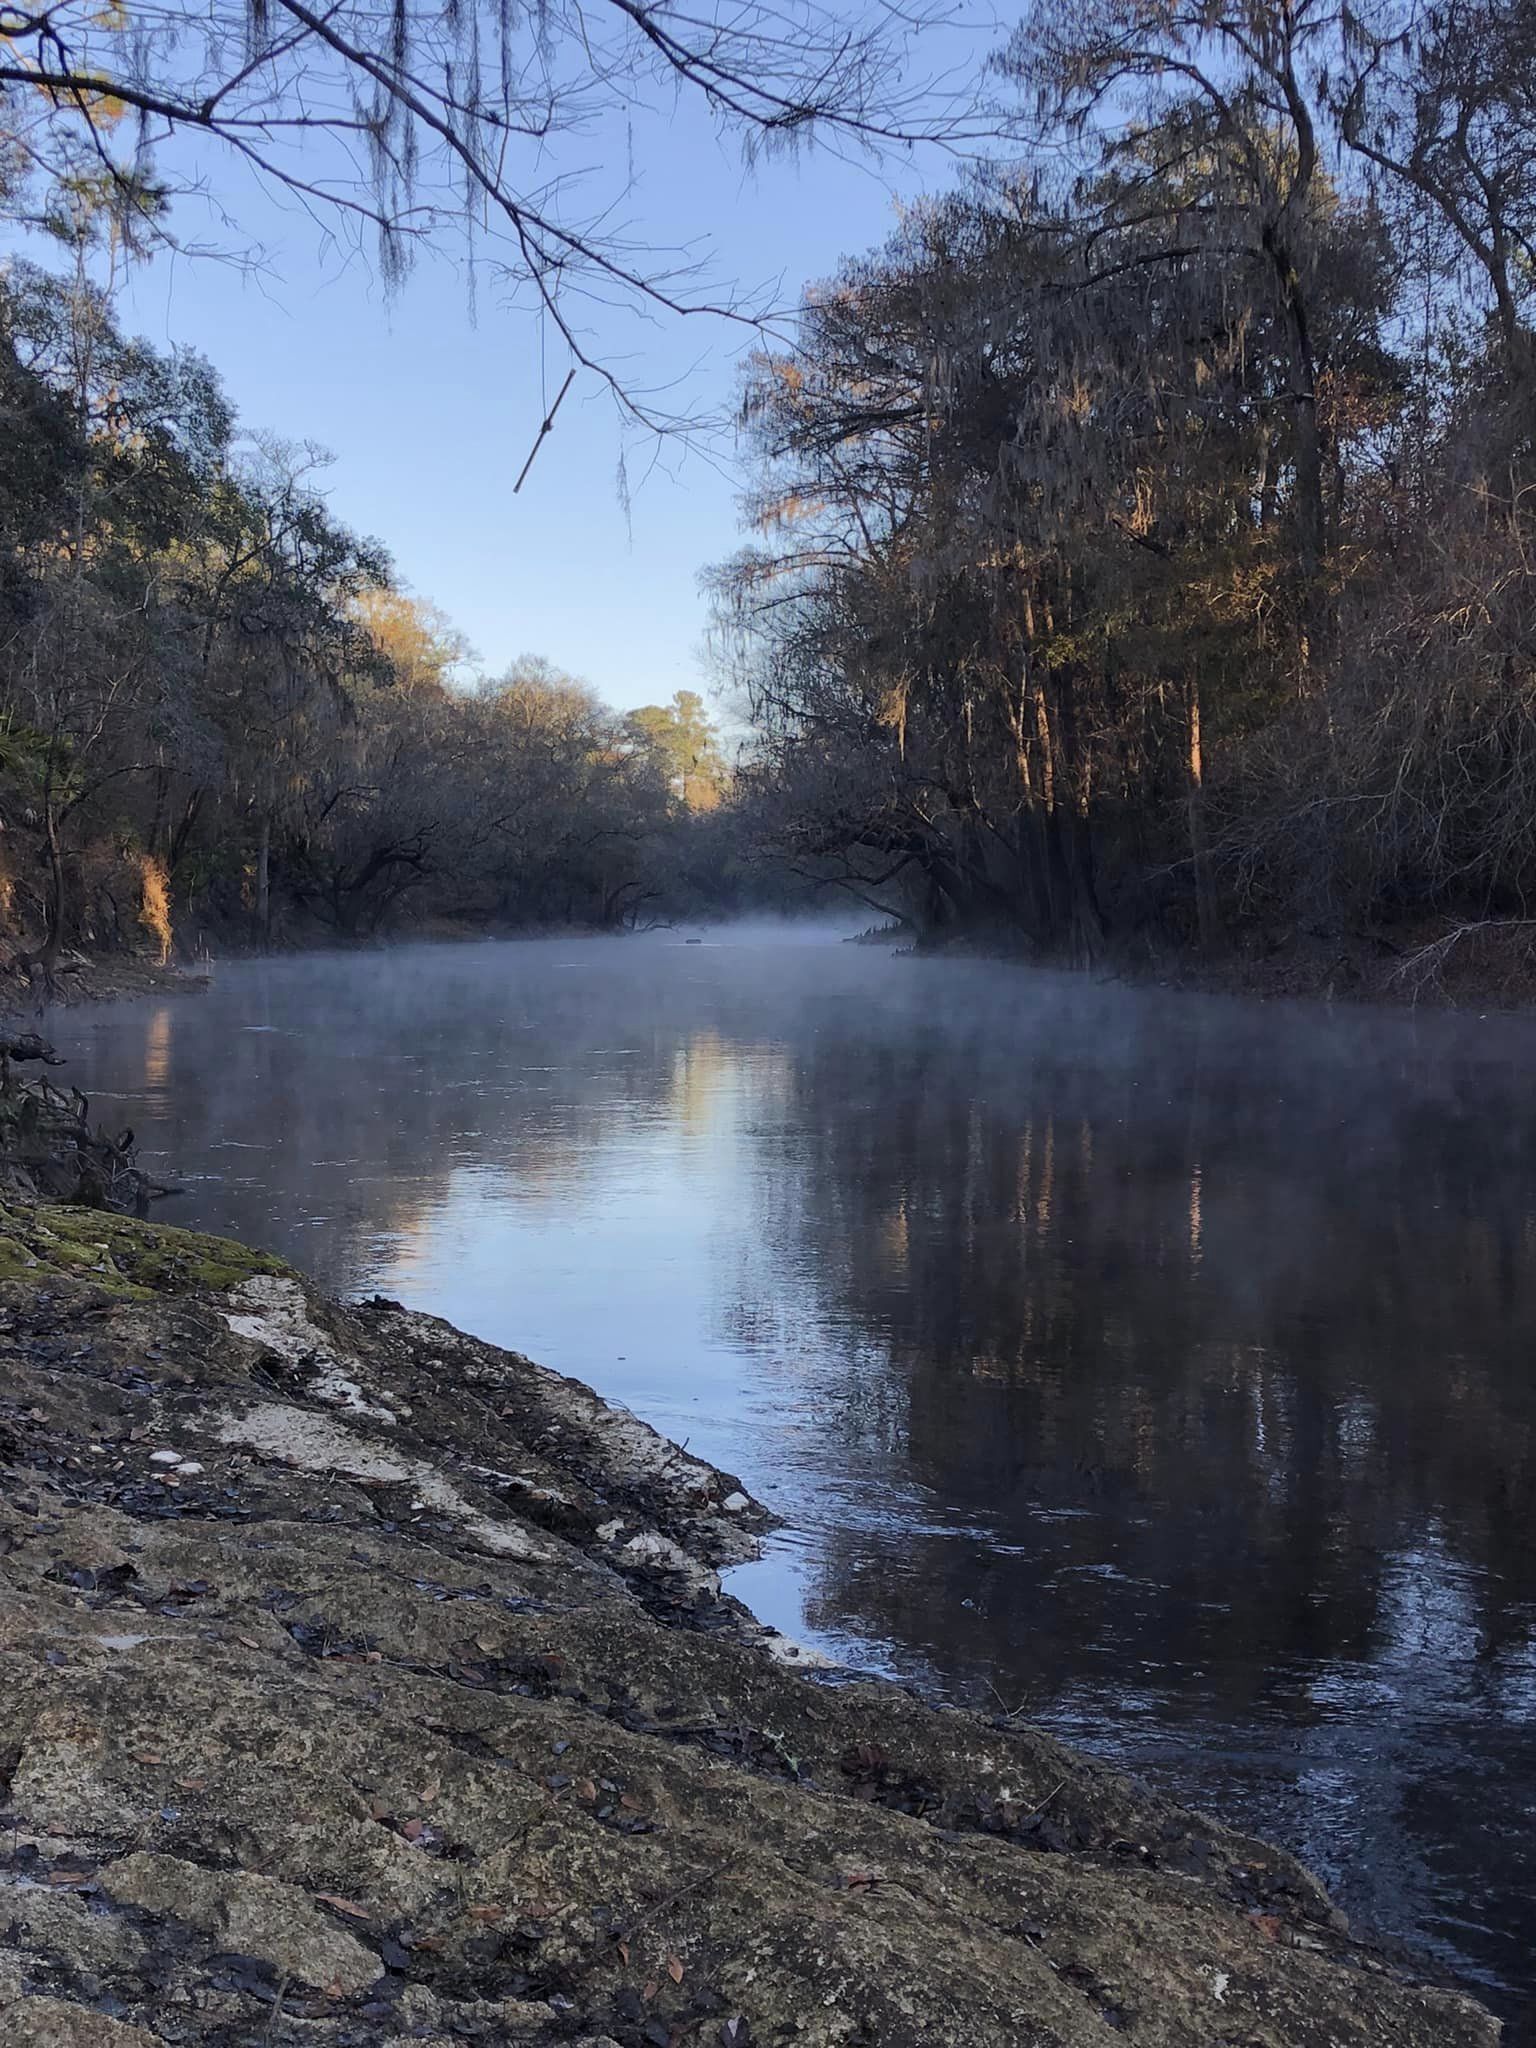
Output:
x=1165 y=1367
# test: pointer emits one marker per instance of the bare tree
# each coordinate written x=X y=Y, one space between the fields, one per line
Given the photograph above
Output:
x=1441 y=102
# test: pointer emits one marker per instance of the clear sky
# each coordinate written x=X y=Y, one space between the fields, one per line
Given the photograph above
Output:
x=429 y=407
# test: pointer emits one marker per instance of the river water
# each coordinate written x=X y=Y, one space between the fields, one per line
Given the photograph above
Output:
x=1164 y=1367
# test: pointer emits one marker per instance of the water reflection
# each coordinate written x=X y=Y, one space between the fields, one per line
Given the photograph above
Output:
x=1163 y=1367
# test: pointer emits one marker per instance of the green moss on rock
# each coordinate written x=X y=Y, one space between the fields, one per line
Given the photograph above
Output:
x=131 y=1259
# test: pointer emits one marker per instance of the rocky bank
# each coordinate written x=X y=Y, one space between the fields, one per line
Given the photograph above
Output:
x=363 y=1683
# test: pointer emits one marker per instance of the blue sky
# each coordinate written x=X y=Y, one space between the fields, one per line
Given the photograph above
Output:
x=429 y=409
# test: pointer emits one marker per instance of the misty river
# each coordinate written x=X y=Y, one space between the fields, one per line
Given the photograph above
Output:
x=1164 y=1367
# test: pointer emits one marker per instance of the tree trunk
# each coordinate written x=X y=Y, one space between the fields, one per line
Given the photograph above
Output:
x=1311 y=524
x=154 y=844
x=1074 y=830
x=1205 y=892
x=264 y=878
x=1308 y=510
x=53 y=934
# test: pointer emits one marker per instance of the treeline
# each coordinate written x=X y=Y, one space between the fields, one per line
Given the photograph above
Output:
x=219 y=719
x=1147 y=533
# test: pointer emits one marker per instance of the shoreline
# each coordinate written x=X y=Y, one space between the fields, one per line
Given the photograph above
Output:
x=1438 y=974
x=97 y=978
x=362 y=1675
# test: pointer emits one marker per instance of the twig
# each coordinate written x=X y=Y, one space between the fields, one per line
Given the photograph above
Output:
x=277 y=2006
x=1009 y=1713
x=570 y=378
x=664 y=1905
x=1045 y=1802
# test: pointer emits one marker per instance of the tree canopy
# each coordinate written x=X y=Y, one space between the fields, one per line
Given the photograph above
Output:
x=221 y=715
x=1142 y=532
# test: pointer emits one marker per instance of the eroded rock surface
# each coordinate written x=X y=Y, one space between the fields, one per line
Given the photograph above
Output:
x=363 y=1683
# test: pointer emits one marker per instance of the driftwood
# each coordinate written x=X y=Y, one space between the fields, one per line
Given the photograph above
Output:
x=27 y=1045
x=50 y=1150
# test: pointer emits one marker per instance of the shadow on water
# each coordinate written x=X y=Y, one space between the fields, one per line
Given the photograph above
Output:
x=1163 y=1367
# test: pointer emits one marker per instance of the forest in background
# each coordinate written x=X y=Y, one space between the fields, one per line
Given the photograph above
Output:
x=1142 y=567
x=1144 y=556
x=222 y=720
x=222 y=723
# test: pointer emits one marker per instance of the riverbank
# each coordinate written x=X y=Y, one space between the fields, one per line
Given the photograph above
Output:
x=89 y=978
x=1446 y=964
x=363 y=1682
x=1487 y=964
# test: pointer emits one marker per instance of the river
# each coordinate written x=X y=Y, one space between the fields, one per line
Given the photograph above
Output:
x=1162 y=1367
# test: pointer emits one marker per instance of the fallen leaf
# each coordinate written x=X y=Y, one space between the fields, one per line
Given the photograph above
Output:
x=429 y=1791
x=675 y=1969
x=348 y=1906
x=624 y=1953
x=586 y=1790
x=247 y=1642
x=487 y=1912
x=1269 y=1924
x=191 y=1784
x=146 y=1757
x=649 y=1989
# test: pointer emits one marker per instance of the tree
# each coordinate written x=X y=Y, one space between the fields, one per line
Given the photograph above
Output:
x=683 y=739
x=144 y=431
x=383 y=809
x=269 y=586
x=1020 y=480
x=1440 y=101
x=419 y=641
x=569 y=814
x=1202 y=123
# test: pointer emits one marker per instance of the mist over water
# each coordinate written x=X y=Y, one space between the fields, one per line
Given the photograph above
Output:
x=1164 y=1367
